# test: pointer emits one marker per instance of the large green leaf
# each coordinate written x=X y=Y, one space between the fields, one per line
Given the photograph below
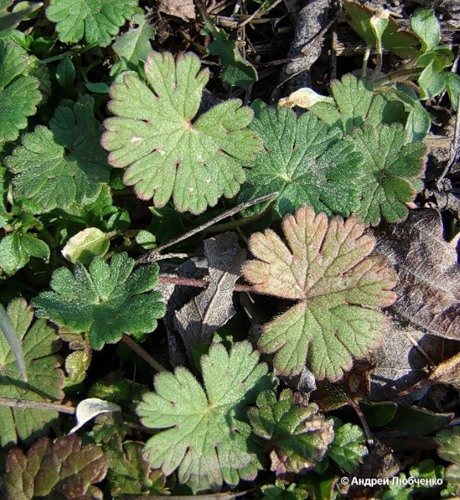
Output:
x=45 y=378
x=19 y=92
x=94 y=20
x=170 y=152
x=298 y=434
x=63 y=165
x=105 y=300
x=64 y=469
x=338 y=286
x=306 y=162
x=207 y=436
x=391 y=173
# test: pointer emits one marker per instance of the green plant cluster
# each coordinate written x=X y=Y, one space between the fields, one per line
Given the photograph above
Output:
x=82 y=147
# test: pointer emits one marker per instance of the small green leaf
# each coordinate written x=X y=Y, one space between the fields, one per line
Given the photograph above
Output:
x=16 y=250
x=19 y=92
x=167 y=151
x=236 y=70
x=85 y=245
x=453 y=89
x=279 y=491
x=94 y=20
x=402 y=43
x=90 y=408
x=206 y=435
x=134 y=46
x=64 y=469
x=306 y=162
x=432 y=82
x=338 y=286
x=425 y=25
x=391 y=172
x=348 y=449
x=105 y=300
x=298 y=435
x=448 y=442
x=65 y=73
x=63 y=165
x=45 y=378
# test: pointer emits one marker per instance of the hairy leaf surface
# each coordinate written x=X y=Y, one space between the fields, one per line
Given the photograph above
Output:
x=306 y=162
x=94 y=20
x=338 y=285
x=392 y=172
x=63 y=165
x=45 y=378
x=169 y=152
x=106 y=300
x=206 y=434
x=299 y=435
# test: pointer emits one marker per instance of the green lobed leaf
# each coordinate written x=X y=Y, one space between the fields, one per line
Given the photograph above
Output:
x=357 y=103
x=391 y=172
x=169 y=152
x=106 y=300
x=348 y=449
x=306 y=162
x=134 y=46
x=298 y=435
x=206 y=435
x=63 y=469
x=63 y=165
x=94 y=20
x=19 y=92
x=328 y=269
x=44 y=377
x=280 y=491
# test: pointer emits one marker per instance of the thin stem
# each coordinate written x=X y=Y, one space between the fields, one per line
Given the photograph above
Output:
x=178 y=280
x=142 y=353
x=367 y=53
x=151 y=256
x=36 y=405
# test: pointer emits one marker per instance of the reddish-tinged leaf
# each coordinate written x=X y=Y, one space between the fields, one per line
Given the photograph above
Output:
x=328 y=268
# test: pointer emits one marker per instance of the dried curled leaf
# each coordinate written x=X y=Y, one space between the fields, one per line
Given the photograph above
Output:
x=299 y=436
x=106 y=300
x=167 y=152
x=206 y=434
x=339 y=287
x=64 y=469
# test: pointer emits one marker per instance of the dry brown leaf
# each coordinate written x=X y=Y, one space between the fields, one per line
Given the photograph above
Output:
x=184 y=9
x=428 y=286
x=211 y=309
